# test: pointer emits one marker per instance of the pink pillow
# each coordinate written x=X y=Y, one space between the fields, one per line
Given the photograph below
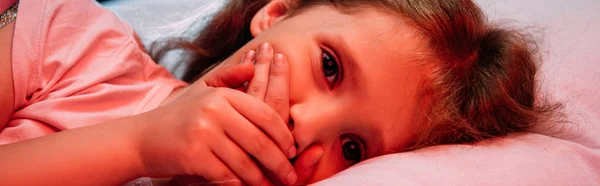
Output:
x=529 y=159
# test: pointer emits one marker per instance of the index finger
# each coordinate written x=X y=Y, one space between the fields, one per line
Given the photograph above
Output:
x=257 y=86
x=278 y=90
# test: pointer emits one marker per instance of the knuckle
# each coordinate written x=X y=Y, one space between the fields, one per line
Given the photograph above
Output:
x=264 y=58
x=202 y=131
x=277 y=101
x=245 y=165
x=221 y=91
x=256 y=87
x=201 y=127
x=260 y=145
x=210 y=108
x=269 y=115
x=278 y=71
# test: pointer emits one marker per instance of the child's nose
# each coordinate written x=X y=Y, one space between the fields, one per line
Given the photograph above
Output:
x=310 y=125
x=302 y=134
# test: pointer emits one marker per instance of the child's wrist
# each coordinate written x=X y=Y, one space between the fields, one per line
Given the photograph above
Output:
x=133 y=141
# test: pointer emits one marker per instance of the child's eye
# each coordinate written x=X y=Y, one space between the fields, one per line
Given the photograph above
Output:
x=330 y=68
x=352 y=150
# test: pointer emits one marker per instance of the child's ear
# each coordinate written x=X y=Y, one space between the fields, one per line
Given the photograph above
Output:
x=270 y=14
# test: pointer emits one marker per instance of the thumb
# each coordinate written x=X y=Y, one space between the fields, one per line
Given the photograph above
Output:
x=306 y=163
x=231 y=76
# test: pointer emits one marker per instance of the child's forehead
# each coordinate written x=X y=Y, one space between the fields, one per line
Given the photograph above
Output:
x=390 y=31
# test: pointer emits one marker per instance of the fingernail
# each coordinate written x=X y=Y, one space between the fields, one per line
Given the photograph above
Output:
x=292 y=152
x=248 y=57
x=265 y=47
x=292 y=177
x=278 y=61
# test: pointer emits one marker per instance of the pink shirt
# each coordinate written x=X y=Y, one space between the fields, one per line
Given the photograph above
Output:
x=75 y=64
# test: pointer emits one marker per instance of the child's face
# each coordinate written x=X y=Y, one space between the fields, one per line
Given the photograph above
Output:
x=353 y=81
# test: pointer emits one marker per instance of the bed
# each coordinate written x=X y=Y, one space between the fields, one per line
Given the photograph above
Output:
x=568 y=31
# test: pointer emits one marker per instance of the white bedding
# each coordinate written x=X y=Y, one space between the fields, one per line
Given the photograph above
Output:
x=571 y=46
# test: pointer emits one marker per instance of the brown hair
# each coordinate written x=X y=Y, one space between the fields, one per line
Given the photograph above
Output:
x=483 y=82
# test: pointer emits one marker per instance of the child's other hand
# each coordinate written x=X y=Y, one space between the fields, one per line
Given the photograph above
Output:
x=306 y=164
x=217 y=133
x=271 y=84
